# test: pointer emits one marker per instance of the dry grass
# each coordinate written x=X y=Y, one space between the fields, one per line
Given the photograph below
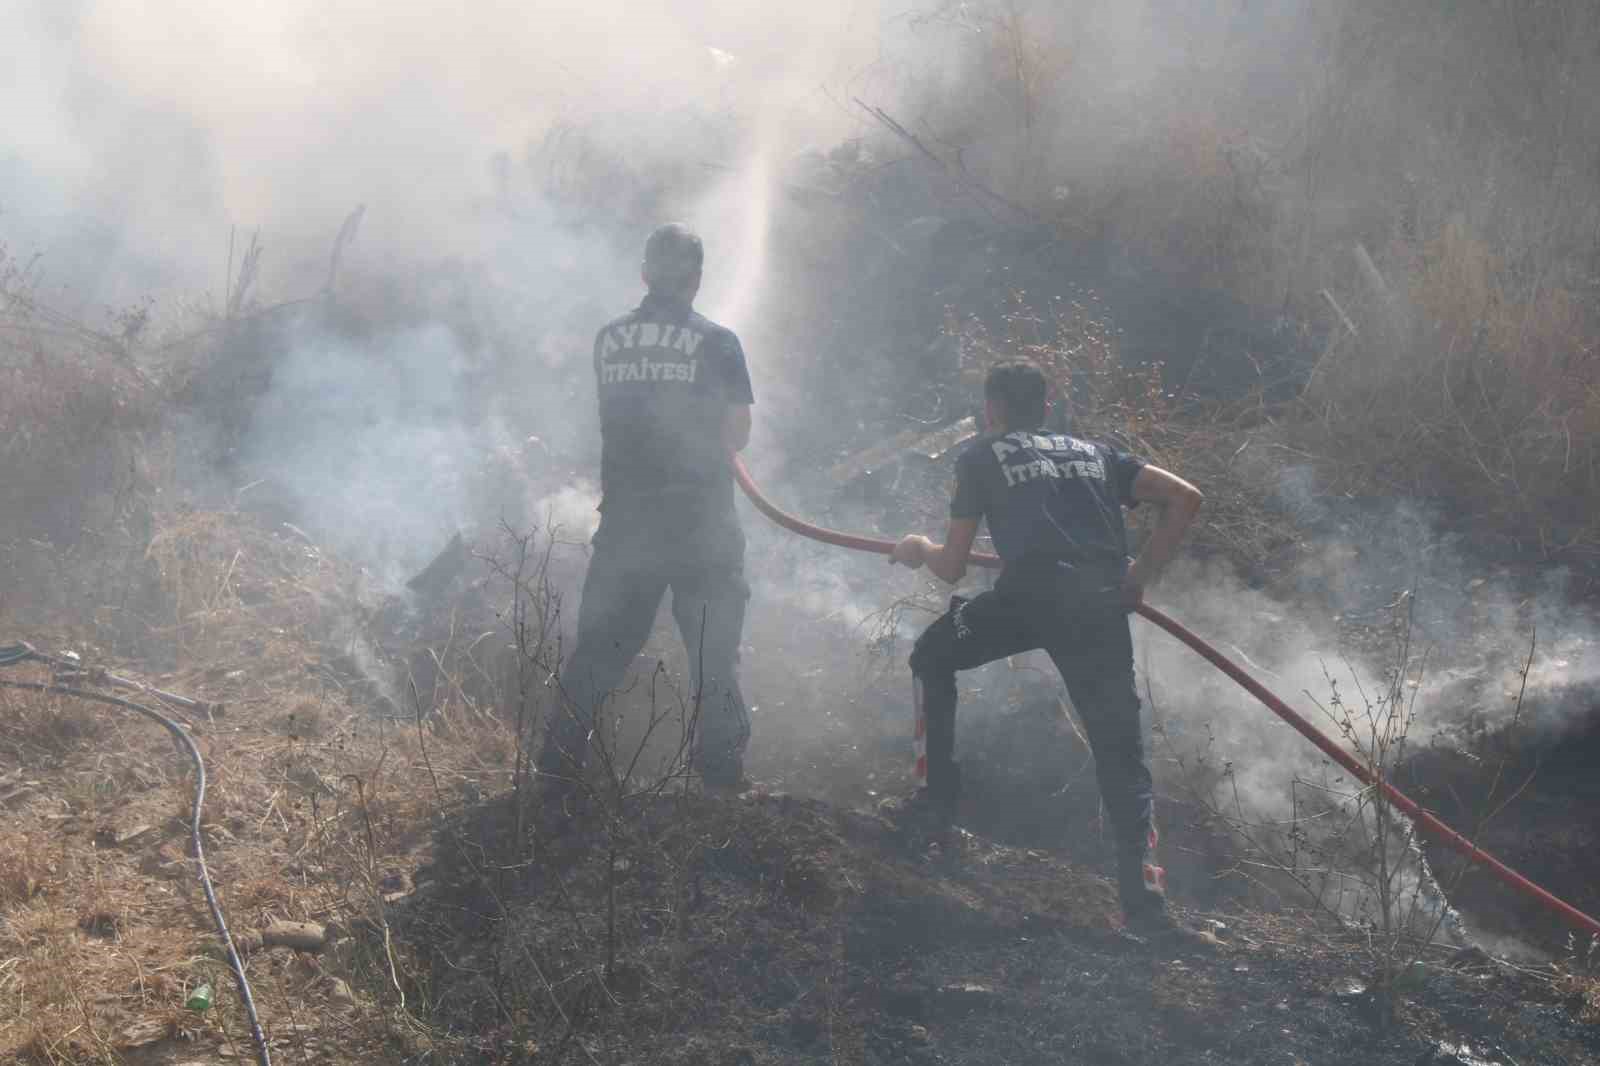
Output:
x=42 y=729
x=100 y=942
x=1459 y=361
x=315 y=810
x=26 y=872
x=1462 y=388
x=1477 y=388
x=79 y=418
x=1582 y=993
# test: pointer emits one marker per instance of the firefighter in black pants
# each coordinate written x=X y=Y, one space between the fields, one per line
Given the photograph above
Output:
x=675 y=400
x=1054 y=507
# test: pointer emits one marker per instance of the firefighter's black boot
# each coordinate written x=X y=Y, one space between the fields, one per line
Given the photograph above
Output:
x=929 y=813
x=1141 y=901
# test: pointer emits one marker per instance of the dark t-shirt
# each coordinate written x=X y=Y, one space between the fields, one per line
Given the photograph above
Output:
x=666 y=377
x=1048 y=496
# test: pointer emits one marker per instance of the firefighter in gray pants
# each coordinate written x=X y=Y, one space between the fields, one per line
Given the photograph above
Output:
x=675 y=399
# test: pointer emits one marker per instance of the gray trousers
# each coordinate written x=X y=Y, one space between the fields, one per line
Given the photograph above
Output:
x=640 y=554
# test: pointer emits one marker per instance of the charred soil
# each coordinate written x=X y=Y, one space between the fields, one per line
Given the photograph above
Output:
x=770 y=929
x=1544 y=826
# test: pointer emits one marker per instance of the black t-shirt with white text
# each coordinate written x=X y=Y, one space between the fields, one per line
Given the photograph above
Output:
x=666 y=377
x=1048 y=495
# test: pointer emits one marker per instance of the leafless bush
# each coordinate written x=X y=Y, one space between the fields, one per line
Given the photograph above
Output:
x=1343 y=846
x=1577 y=977
x=628 y=761
x=625 y=811
x=1075 y=342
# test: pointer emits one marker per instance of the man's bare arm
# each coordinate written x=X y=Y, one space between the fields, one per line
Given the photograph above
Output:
x=1179 y=502
x=948 y=561
x=736 y=428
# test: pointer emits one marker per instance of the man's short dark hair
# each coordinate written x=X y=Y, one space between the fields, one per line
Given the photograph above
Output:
x=1020 y=387
x=673 y=254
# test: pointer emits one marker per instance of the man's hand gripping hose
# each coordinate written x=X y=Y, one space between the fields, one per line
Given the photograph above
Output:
x=16 y=654
x=1429 y=822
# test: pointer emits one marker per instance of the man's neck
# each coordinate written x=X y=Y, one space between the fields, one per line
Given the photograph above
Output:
x=675 y=301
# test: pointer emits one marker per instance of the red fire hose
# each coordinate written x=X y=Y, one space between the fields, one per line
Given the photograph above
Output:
x=1427 y=821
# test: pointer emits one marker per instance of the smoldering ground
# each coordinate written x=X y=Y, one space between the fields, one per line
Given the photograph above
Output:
x=512 y=159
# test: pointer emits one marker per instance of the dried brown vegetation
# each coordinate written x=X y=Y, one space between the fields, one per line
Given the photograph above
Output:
x=77 y=412
x=1440 y=304
x=1404 y=206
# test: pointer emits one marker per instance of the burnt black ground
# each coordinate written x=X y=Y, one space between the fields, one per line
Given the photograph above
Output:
x=776 y=930
x=1542 y=822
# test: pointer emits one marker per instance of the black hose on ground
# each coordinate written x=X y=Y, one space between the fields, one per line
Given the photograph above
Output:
x=11 y=656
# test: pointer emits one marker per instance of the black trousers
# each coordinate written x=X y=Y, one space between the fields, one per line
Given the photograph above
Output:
x=640 y=552
x=1079 y=622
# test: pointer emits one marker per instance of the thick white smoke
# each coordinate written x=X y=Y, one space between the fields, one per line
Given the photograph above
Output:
x=529 y=147
x=163 y=127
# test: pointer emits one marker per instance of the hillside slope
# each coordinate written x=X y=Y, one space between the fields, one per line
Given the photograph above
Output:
x=454 y=923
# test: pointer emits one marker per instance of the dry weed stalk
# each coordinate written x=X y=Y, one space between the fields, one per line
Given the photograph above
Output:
x=1489 y=398
x=1346 y=849
x=631 y=807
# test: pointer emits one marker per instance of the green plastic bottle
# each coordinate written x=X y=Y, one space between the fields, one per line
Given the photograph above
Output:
x=199 y=1000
